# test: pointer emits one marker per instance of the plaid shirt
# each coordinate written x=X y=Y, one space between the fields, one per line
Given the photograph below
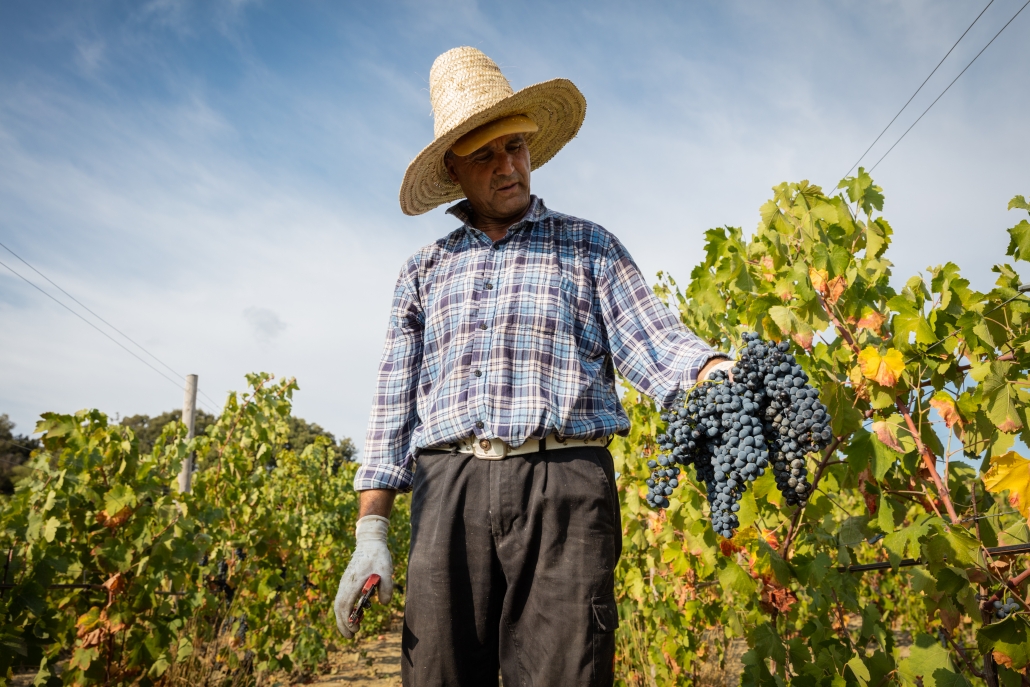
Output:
x=517 y=339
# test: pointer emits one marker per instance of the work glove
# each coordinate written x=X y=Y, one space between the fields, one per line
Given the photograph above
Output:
x=371 y=557
x=726 y=365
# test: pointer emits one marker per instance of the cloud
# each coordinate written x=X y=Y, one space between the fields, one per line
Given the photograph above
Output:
x=265 y=324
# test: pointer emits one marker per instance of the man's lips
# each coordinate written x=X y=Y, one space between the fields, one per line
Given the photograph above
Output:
x=509 y=187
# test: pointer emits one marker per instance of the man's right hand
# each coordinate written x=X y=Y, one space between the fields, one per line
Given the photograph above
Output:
x=371 y=556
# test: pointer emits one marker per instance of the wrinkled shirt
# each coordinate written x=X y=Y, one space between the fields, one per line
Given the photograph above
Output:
x=516 y=339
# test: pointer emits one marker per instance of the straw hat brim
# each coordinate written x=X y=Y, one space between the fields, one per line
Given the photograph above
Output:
x=556 y=106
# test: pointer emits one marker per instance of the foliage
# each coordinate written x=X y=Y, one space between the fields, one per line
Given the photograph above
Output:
x=914 y=379
x=301 y=432
x=247 y=563
x=15 y=450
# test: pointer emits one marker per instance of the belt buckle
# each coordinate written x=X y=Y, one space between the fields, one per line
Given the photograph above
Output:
x=489 y=449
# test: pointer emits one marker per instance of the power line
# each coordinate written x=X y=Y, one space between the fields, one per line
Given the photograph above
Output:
x=118 y=343
x=951 y=84
x=920 y=88
x=87 y=309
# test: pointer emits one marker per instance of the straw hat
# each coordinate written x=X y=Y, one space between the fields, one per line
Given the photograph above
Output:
x=470 y=96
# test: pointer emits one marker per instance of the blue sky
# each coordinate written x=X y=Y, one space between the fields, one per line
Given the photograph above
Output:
x=219 y=179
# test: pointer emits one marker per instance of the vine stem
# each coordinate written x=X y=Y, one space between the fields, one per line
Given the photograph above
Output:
x=929 y=460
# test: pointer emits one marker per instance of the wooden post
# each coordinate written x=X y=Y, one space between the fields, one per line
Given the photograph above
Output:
x=189 y=414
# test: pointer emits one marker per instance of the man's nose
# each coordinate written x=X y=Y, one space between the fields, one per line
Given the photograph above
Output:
x=505 y=164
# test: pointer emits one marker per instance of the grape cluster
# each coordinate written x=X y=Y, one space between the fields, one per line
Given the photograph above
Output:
x=795 y=422
x=1002 y=610
x=732 y=429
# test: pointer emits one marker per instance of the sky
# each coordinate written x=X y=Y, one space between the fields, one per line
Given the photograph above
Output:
x=218 y=179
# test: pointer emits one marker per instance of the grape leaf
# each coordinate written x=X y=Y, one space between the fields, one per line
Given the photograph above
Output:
x=119 y=497
x=872 y=321
x=1011 y=472
x=885 y=369
x=1010 y=638
x=1019 y=243
x=859 y=670
x=732 y=577
x=1000 y=399
x=845 y=419
x=928 y=659
x=1018 y=202
x=944 y=404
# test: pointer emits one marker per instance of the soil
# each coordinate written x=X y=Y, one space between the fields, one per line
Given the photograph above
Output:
x=376 y=664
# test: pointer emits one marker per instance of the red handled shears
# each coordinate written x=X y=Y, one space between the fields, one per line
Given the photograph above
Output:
x=365 y=600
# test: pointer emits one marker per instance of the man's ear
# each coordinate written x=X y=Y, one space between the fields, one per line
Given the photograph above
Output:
x=448 y=163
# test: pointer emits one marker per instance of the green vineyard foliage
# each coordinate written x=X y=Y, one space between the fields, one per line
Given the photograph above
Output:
x=914 y=379
x=272 y=525
x=233 y=583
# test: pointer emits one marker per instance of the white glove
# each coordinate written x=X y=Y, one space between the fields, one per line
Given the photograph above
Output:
x=371 y=557
x=726 y=365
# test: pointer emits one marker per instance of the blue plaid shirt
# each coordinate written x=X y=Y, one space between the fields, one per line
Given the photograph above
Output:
x=517 y=339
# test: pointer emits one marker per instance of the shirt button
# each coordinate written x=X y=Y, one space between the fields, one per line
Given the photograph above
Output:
x=488 y=286
x=479 y=424
x=497 y=246
x=483 y=325
x=478 y=373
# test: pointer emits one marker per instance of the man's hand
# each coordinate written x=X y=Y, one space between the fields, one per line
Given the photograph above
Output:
x=716 y=364
x=371 y=556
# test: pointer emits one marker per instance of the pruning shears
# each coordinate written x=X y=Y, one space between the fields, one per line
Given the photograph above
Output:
x=365 y=600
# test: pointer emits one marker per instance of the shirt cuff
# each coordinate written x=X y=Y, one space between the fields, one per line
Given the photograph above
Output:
x=383 y=476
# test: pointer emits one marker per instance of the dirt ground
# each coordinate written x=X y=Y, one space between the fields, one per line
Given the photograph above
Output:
x=377 y=664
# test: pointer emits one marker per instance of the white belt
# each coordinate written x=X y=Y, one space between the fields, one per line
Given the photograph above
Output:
x=495 y=449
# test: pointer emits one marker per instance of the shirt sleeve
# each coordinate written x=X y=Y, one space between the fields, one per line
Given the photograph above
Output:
x=385 y=463
x=650 y=346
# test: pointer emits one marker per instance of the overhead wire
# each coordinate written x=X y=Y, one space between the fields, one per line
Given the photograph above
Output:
x=907 y=102
x=90 y=311
x=73 y=312
x=951 y=84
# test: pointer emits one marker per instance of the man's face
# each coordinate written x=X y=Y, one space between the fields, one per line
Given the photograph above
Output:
x=495 y=178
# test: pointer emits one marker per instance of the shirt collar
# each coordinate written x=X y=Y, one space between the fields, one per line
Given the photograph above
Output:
x=537 y=211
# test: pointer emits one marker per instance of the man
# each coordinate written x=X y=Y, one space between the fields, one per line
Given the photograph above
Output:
x=498 y=380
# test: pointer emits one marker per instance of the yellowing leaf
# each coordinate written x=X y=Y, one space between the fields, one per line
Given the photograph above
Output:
x=834 y=288
x=1011 y=471
x=944 y=404
x=885 y=369
x=818 y=278
x=871 y=321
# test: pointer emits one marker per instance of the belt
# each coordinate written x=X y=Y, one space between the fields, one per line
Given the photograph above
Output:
x=495 y=449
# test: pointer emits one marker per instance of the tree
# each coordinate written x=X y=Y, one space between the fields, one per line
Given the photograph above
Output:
x=15 y=450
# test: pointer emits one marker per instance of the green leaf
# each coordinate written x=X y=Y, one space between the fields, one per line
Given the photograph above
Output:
x=1019 y=242
x=1000 y=397
x=859 y=670
x=853 y=531
x=119 y=497
x=926 y=658
x=1010 y=637
x=904 y=541
x=1018 y=202
x=50 y=529
x=885 y=515
x=845 y=419
x=767 y=644
x=951 y=580
x=734 y=578
x=748 y=509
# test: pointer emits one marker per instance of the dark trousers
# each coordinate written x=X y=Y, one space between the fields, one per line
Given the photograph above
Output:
x=512 y=568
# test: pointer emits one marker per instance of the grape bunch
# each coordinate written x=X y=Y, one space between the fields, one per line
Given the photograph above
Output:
x=1003 y=610
x=795 y=422
x=732 y=429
